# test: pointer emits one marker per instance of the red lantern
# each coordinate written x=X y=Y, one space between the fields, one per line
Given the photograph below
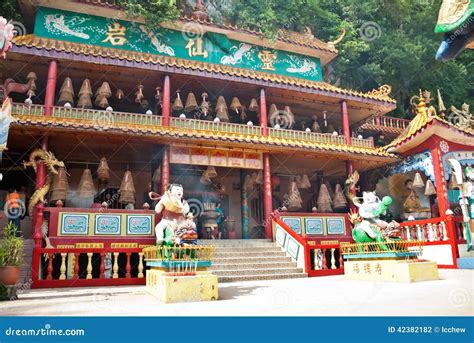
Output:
x=276 y=180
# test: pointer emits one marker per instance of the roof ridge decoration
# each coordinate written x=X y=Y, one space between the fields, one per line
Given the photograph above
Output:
x=425 y=115
x=33 y=41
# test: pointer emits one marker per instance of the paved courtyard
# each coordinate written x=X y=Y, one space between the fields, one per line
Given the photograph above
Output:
x=324 y=296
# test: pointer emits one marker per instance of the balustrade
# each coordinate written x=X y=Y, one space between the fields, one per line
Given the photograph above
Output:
x=431 y=230
x=327 y=260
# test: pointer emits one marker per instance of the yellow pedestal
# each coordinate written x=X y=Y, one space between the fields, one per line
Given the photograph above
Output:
x=173 y=289
x=390 y=270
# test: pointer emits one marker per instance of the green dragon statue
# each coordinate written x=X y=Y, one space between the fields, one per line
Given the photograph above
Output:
x=456 y=21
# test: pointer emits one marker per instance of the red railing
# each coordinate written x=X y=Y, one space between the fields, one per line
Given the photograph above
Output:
x=73 y=267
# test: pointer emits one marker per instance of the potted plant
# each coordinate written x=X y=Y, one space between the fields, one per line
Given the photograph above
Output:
x=11 y=255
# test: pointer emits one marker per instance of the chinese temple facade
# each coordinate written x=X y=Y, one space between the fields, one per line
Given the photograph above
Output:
x=246 y=125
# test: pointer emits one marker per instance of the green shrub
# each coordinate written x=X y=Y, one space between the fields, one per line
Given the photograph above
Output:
x=11 y=247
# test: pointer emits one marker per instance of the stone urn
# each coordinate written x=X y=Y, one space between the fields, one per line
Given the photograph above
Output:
x=209 y=224
x=229 y=225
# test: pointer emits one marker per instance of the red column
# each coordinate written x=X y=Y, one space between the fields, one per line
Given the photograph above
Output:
x=165 y=170
x=166 y=101
x=440 y=181
x=345 y=122
x=263 y=112
x=267 y=195
x=50 y=88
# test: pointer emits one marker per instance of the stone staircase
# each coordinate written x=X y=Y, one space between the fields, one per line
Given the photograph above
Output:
x=251 y=259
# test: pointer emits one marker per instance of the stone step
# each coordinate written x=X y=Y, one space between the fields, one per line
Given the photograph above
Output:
x=255 y=253
x=237 y=243
x=265 y=271
x=269 y=265
x=246 y=260
x=237 y=278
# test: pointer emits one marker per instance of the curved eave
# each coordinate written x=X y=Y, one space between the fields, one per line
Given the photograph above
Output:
x=436 y=126
x=50 y=48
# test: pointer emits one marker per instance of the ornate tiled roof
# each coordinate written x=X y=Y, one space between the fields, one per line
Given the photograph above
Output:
x=32 y=41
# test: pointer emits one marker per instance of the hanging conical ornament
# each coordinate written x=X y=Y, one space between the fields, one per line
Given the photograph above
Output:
x=430 y=188
x=31 y=77
x=418 y=181
x=299 y=184
x=324 y=200
x=177 y=104
x=103 y=171
x=222 y=114
x=210 y=172
x=85 y=94
x=315 y=125
x=248 y=182
x=290 y=116
x=305 y=183
x=156 y=179
x=60 y=186
x=86 y=187
x=253 y=178
x=329 y=189
x=103 y=103
x=253 y=107
x=66 y=93
x=243 y=115
x=294 y=199
x=139 y=94
x=205 y=106
x=191 y=103
x=102 y=94
x=205 y=180
x=259 y=178
x=235 y=104
x=453 y=183
x=119 y=94
x=339 y=200
x=127 y=189
x=221 y=103
x=158 y=96
x=272 y=111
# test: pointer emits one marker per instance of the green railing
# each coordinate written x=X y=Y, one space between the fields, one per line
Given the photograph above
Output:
x=27 y=110
x=313 y=137
x=220 y=127
x=362 y=142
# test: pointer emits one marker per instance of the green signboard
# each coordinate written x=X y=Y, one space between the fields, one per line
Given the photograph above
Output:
x=193 y=45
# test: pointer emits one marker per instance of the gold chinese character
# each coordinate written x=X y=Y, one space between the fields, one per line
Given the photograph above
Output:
x=355 y=268
x=378 y=268
x=267 y=58
x=367 y=268
x=195 y=48
x=116 y=35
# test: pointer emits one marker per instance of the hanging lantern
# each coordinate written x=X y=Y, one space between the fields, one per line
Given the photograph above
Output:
x=205 y=180
x=253 y=107
x=276 y=181
x=243 y=115
x=235 y=104
x=103 y=171
x=103 y=102
x=66 y=93
x=191 y=103
x=329 y=189
x=221 y=102
x=127 y=189
x=178 y=104
x=205 y=106
x=60 y=186
x=222 y=114
x=339 y=201
x=86 y=187
x=430 y=188
x=102 y=94
x=210 y=172
x=418 y=181
x=85 y=94
x=139 y=94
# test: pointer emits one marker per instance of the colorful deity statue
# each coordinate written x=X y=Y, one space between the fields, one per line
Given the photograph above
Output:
x=368 y=226
x=174 y=210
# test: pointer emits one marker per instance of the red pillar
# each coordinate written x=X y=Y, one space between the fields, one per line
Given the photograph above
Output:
x=345 y=122
x=165 y=170
x=166 y=101
x=263 y=112
x=50 y=88
x=267 y=195
x=440 y=181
